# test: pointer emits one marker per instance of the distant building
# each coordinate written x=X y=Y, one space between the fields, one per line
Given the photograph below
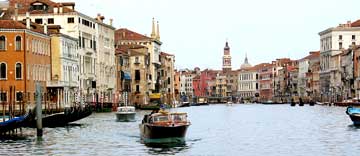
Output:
x=306 y=74
x=167 y=77
x=266 y=75
x=221 y=87
x=332 y=41
x=226 y=58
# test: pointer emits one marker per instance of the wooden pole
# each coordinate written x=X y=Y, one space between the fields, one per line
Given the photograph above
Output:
x=39 y=131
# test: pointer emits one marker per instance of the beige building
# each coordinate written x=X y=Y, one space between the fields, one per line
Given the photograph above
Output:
x=64 y=69
x=150 y=77
x=221 y=86
x=105 y=62
x=167 y=76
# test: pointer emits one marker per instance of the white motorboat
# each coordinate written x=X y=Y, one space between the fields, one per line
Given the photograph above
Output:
x=125 y=113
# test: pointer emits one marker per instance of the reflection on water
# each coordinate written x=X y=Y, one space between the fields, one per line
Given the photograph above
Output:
x=215 y=130
x=166 y=149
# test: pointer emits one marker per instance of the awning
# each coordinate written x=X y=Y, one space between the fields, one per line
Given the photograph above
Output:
x=127 y=76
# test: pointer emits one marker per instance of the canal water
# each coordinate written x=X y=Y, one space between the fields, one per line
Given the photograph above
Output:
x=216 y=130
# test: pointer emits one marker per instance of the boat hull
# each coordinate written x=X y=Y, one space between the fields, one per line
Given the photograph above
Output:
x=125 y=117
x=355 y=119
x=162 y=134
x=63 y=118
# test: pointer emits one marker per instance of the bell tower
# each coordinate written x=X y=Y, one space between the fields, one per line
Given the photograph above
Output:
x=226 y=58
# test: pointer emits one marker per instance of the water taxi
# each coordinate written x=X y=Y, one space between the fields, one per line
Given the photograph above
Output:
x=164 y=127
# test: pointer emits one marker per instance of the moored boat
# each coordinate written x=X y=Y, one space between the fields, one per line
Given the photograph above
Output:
x=164 y=127
x=354 y=114
x=125 y=113
x=184 y=104
x=61 y=119
x=16 y=122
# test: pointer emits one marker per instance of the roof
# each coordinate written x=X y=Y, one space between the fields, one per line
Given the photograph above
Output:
x=24 y=6
x=11 y=24
x=123 y=49
x=125 y=34
x=356 y=23
x=312 y=55
x=165 y=54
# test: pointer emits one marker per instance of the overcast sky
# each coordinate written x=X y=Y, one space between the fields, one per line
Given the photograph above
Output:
x=195 y=31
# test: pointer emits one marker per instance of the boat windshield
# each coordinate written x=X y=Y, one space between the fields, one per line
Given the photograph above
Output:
x=124 y=109
x=179 y=117
x=161 y=118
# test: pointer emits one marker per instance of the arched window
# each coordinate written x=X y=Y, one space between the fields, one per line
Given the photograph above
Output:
x=18 y=74
x=18 y=43
x=2 y=43
x=3 y=71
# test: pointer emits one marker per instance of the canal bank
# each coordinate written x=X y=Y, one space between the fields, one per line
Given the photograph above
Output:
x=216 y=130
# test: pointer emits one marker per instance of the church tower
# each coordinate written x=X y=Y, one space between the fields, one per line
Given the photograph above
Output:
x=226 y=58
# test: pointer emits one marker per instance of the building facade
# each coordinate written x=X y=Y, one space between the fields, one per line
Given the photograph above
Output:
x=332 y=41
x=24 y=60
x=64 y=69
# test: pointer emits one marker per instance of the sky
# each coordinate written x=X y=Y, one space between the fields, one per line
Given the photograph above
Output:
x=195 y=31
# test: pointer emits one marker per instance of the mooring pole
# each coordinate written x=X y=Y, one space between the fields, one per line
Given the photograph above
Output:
x=39 y=130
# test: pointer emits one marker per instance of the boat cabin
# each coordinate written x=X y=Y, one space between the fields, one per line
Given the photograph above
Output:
x=126 y=109
x=173 y=118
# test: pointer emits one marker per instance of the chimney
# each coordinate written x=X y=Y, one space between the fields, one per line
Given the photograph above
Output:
x=349 y=23
x=111 y=22
x=16 y=12
x=27 y=20
x=60 y=9
x=45 y=26
x=55 y=10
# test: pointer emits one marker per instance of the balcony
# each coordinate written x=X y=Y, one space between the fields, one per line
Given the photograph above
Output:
x=89 y=51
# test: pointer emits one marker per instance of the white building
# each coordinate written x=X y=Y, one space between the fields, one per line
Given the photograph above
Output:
x=332 y=41
x=186 y=83
x=65 y=68
x=105 y=64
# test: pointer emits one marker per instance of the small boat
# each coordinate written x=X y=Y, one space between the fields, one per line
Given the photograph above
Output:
x=185 y=104
x=164 y=127
x=14 y=123
x=125 y=113
x=61 y=119
x=354 y=114
x=268 y=102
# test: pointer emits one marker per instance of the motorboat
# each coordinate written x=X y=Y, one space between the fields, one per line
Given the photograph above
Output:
x=354 y=114
x=125 y=113
x=164 y=127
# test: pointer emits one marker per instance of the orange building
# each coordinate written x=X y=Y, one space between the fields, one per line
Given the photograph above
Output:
x=24 y=59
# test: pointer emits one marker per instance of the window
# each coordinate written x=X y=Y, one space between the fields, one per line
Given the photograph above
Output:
x=340 y=37
x=18 y=43
x=2 y=43
x=3 y=96
x=18 y=68
x=137 y=75
x=168 y=80
x=71 y=20
x=137 y=60
x=2 y=71
x=120 y=60
x=50 y=21
x=38 y=21
x=340 y=45
x=353 y=43
x=137 y=88
x=353 y=37
x=19 y=96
